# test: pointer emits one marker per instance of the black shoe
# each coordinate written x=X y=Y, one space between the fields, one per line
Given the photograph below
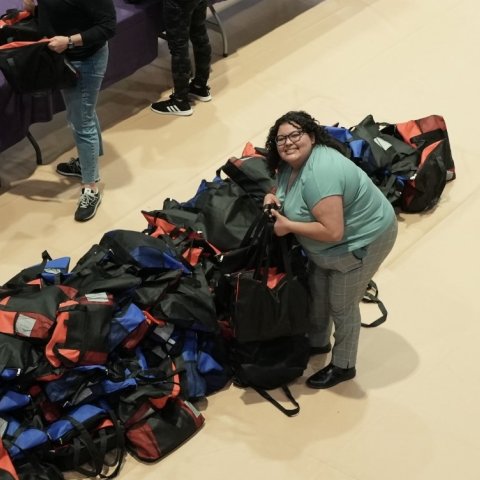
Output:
x=199 y=93
x=330 y=375
x=87 y=205
x=172 y=107
x=320 y=350
x=70 y=169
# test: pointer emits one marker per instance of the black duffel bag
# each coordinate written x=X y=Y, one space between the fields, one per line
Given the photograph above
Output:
x=32 y=67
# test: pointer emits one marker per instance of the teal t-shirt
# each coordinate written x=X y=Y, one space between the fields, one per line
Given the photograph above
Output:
x=367 y=212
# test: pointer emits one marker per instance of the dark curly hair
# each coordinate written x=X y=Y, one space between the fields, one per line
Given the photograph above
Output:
x=306 y=123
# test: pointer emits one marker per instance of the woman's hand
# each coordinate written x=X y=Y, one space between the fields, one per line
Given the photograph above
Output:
x=29 y=5
x=58 y=44
x=271 y=199
x=282 y=225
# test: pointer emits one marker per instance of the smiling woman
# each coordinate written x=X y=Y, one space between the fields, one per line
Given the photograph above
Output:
x=345 y=225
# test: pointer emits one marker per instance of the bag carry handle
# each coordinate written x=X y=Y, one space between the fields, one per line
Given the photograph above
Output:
x=289 y=412
x=371 y=296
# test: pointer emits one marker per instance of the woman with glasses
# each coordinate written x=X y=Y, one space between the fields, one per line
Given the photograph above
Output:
x=345 y=224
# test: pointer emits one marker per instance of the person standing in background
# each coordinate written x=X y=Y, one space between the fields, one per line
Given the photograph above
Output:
x=81 y=29
x=185 y=20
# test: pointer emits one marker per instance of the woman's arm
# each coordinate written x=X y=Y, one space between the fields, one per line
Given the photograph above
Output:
x=328 y=227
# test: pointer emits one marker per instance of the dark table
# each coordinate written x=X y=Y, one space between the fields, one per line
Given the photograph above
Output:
x=135 y=45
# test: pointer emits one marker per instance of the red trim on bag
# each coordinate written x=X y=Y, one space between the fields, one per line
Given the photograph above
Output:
x=249 y=151
x=135 y=337
x=153 y=320
x=9 y=19
x=192 y=255
x=408 y=130
x=7 y=320
x=432 y=122
x=70 y=292
x=274 y=278
x=143 y=439
x=6 y=463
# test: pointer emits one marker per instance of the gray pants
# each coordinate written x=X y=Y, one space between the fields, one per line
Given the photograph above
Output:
x=337 y=285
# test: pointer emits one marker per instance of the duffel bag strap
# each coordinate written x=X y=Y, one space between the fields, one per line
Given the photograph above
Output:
x=289 y=412
x=371 y=296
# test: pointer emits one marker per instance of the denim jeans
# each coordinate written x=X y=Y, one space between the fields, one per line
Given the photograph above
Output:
x=80 y=102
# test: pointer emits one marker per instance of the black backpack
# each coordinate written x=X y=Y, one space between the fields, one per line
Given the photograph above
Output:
x=266 y=356
x=271 y=364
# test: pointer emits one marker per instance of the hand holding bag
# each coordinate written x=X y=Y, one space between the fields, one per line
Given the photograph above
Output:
x=271 y=301
x=25 y=59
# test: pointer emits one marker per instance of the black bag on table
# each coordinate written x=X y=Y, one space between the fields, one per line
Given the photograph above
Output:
x=32 y=67
x=25 y=59
x=18 y=25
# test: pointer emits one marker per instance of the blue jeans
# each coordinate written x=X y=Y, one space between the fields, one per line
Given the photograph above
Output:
x=80 y=102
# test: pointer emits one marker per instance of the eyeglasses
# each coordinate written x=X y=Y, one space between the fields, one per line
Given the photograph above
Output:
x=294 y=137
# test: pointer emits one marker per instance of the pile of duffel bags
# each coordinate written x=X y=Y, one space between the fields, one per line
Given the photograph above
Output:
x=409 y=161
x=107 y=358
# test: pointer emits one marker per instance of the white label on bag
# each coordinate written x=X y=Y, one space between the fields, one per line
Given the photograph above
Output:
x=382 y=143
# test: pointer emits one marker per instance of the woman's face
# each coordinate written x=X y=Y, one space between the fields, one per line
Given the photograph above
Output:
x=293 y=145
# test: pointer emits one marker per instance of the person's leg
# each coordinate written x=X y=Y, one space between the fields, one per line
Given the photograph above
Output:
x=177 y=20
x=348 y=282
x=81 y=104
x=202 y=52
x=347 y=289
x=177 y=16
x=320 y=324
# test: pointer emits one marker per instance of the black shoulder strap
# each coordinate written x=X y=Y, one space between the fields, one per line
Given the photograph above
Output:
x=371 y=296
x=289 y=412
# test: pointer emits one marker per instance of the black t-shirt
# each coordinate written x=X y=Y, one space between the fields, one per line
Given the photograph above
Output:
x=95 y=20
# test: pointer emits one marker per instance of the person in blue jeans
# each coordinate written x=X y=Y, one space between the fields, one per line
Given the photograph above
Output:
x=345 y=224
x=185 y=22
x=81 y=30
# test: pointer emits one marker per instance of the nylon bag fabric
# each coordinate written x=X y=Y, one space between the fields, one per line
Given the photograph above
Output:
x=422 y=192
x=31 y=67
x=18 y=25
x=425 y=131
x=164 y=430
x=271 y=300
x=227 y=212
x=17 y=357
x=384 y=149
x=81 y=332
x=142 y=251
x=83 y=437
x=250 y=172
x=188 y=304
x=31 y=313
x=7 y=469
x=425 y=185
x=224 y=212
